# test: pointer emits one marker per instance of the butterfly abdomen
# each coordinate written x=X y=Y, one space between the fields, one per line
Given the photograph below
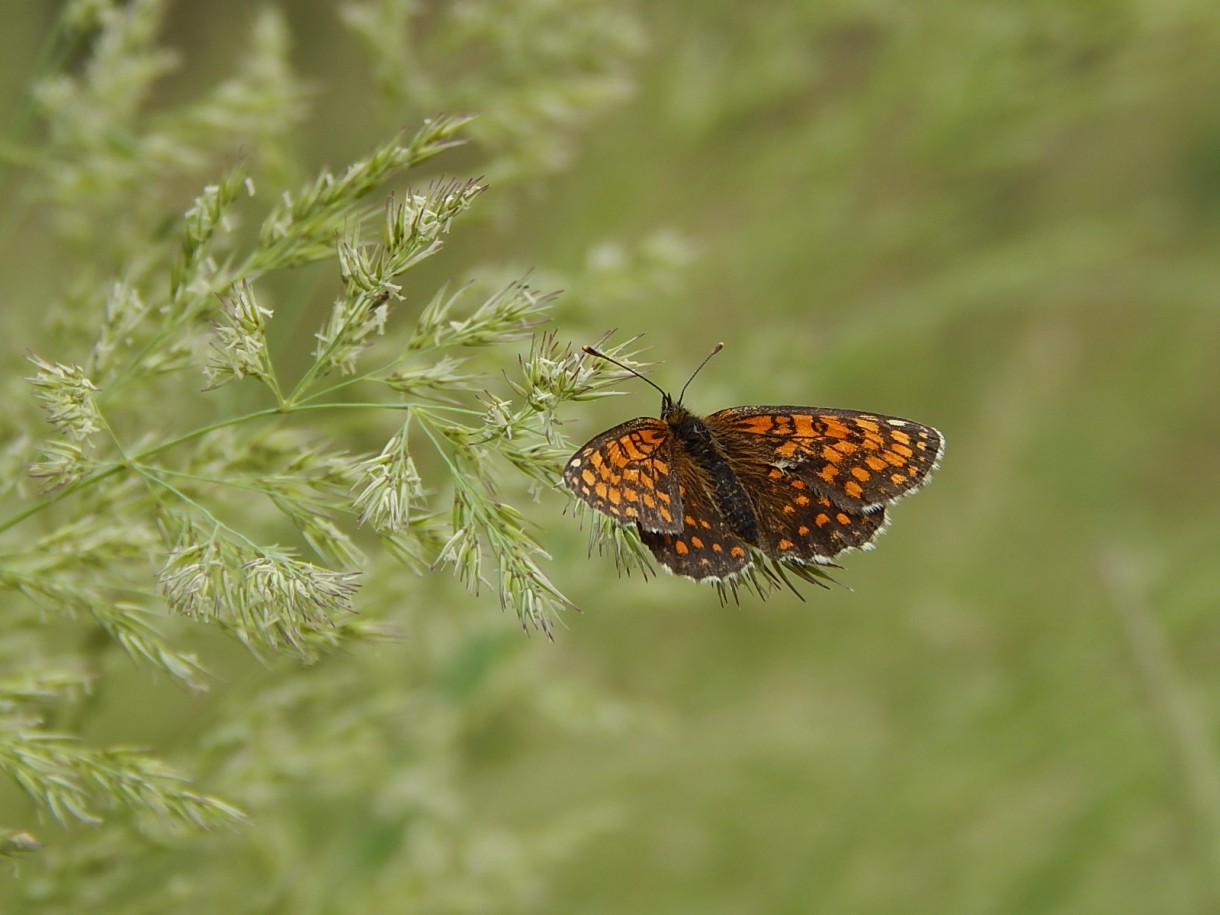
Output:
x=723 y=486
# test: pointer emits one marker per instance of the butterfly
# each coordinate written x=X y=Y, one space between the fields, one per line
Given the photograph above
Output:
x=711 y=495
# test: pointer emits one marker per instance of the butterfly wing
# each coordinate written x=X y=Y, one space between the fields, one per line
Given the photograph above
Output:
x=859 y=461
x=705 y=545
x=798 y=523
x=628 y=473
x=818 y=481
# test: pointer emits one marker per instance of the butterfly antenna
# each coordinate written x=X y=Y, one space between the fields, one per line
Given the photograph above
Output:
x=715 y=349
x=600 y=355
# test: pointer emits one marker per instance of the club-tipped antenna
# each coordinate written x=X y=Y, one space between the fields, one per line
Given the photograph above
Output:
x=600 y=355
x=715 y=349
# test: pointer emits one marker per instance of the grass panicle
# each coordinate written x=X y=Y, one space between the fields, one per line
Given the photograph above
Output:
x=185 y=445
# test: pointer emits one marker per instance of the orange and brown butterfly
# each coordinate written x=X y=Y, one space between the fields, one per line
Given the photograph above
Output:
x=708 y=494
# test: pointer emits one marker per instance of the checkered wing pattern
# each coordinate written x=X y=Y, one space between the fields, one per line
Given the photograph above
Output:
x=628 y=473
x=705 y=547
x=797 y=484
x=796 y=522
x=859 y=461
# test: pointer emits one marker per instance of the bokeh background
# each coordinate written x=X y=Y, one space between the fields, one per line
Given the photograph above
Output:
x=999 y=219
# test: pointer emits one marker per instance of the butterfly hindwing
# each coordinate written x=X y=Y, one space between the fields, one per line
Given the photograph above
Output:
x=706 y=546
x=799 y=523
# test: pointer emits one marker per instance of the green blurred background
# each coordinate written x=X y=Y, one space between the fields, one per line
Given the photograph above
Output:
x=1000 y=219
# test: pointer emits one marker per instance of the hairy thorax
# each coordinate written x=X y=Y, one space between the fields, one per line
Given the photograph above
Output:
x=714 y=472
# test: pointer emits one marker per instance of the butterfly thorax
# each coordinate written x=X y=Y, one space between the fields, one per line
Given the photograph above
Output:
x=699 y=444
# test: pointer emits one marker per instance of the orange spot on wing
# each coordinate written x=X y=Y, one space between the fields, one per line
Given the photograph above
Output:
x=758 y=425
x=803 y=425
x=836 y=428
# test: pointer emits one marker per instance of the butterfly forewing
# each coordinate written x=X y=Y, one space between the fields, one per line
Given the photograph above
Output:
x=857 y=460
x=627 y=472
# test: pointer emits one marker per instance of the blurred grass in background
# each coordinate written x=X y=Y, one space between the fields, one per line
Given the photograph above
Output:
x=999 y=219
